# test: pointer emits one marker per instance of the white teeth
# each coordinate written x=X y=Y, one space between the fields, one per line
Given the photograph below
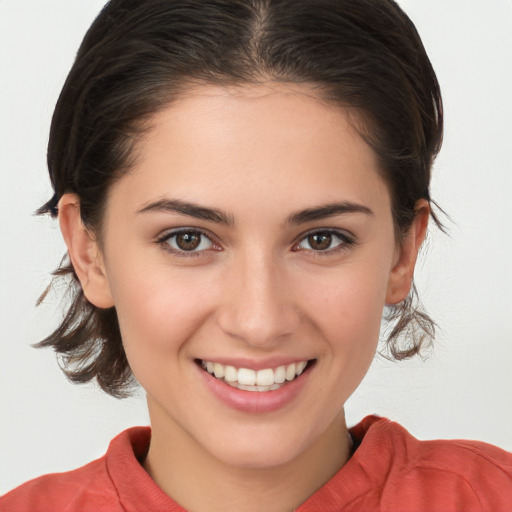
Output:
x=230 y=373
x=290 y=371
x=246 y=379
x=254 y=388
x=300 y=367
x=218 y=370
x=246 y=388
x=265 y=377
x=280 y=375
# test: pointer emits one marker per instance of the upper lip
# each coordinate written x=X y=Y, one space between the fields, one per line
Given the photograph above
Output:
x=254 y=364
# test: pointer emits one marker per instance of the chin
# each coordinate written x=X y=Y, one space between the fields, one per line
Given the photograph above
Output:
x=260 y=448
x=257 y=457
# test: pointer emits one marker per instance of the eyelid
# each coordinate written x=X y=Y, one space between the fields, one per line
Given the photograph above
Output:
x=347 y=240
x=170 y=233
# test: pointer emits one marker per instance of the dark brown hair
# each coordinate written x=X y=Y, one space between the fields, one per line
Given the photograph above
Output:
x=140 y=55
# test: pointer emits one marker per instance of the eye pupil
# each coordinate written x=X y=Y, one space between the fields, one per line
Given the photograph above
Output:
x=320 y=241
x=188 y=241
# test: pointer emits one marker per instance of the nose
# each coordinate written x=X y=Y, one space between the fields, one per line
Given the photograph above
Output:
x=258 y=305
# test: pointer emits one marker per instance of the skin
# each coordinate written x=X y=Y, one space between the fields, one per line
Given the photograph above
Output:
x=260 y=290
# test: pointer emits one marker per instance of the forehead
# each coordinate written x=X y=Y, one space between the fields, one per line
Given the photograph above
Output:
x=273 y=143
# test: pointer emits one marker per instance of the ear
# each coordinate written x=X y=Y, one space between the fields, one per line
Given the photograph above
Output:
x=401 y=276
x=84 y=253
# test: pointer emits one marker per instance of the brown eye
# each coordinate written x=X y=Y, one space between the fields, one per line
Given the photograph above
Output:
x=320 y=241
x=186 y=241
x=325 y=241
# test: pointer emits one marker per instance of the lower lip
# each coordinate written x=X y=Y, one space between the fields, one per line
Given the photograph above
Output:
x=255 y=402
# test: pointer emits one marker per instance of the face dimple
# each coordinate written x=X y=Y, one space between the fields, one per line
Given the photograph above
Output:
x=275 y=180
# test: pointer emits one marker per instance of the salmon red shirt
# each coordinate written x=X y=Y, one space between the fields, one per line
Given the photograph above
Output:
x=390 y=471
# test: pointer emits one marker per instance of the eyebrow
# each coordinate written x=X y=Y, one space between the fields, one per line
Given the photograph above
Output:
x=189 y=209
x=218 y=216
x=326 y=211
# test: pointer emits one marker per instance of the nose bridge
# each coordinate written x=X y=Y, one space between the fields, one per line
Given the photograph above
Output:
x=258 y=308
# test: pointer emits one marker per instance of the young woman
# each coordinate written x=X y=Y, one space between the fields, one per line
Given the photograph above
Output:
x=243 y=188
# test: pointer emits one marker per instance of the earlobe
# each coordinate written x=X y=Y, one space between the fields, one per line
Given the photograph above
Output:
x=84 y=253
x=402 y=273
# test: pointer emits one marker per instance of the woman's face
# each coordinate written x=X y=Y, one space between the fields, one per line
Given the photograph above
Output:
x=253 y=237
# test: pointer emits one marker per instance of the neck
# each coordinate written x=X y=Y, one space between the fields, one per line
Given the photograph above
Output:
x=200 y=482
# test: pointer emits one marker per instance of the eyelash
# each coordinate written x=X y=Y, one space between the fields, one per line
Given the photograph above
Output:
x=163 y=241
x=346 y=241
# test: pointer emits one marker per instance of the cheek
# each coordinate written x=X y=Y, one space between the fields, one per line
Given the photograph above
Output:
x=158 y=308
x=347 y=308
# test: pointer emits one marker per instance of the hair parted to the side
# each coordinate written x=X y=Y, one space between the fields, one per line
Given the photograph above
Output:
x=141 y=55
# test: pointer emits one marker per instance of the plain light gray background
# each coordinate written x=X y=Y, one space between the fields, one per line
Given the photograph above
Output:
x=463 y=391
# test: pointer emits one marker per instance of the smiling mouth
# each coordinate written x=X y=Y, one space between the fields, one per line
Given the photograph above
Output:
x=267 y=379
